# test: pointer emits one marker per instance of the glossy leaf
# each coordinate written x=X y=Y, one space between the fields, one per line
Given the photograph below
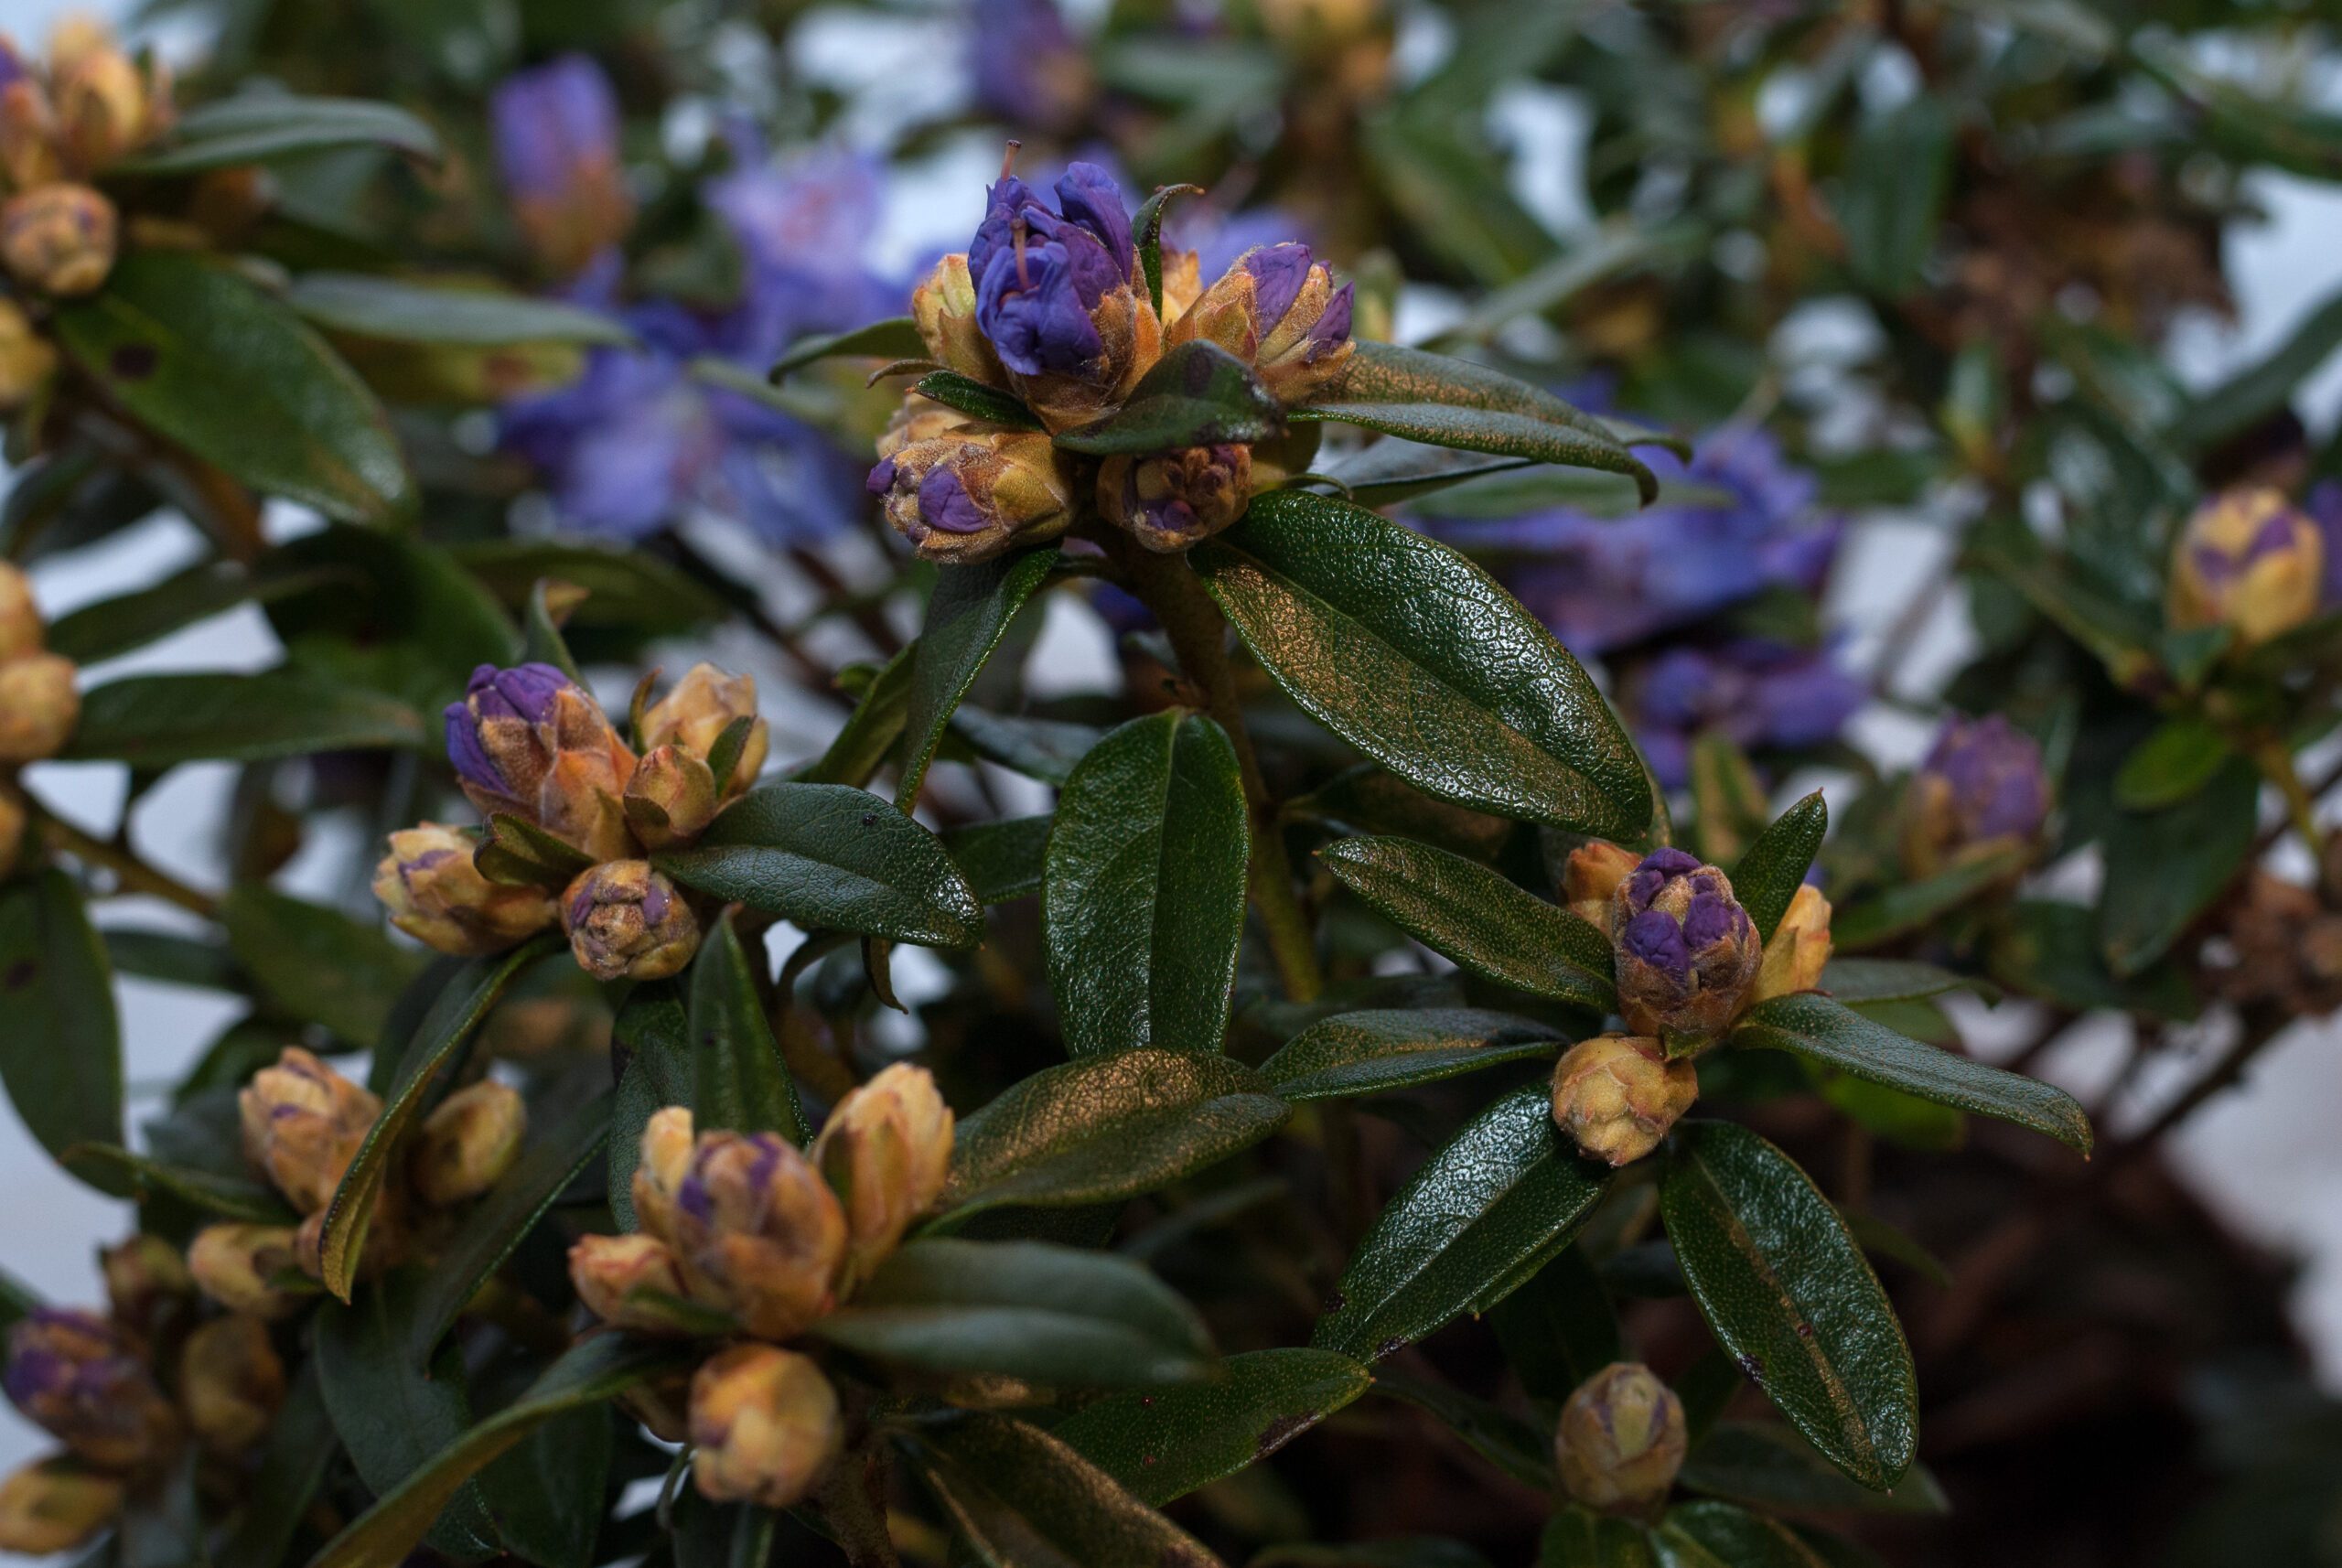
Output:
x=1560 y=1327
x=1719 y=1535
x=1143 y=891
x=966 y=617
x=1575 y=1538
x=1516 y=1448
x=1856 y=980
x=1165 y=1443
x=401 y=311
x=1768 y=875
x=1377 y=1051
x=1147 y=234
x=60 y=1054
x=831 y=858
x=1479 y=1218
x=1769 y=1467
x=895 y=337
x=1046 y=749
x=260 y=126
x=1413 y=655
x=314 y=963
x=114 y=1169
x=872 y=731
x=1001 y=861
x=1465 y=912
x=1103 y=1128
x=739 y=1082
x=1197 y=394
x=652 y=1033
x=301 y=1446
x=1787 y=1293
x=131 y=621
x=398 y=616
x=192 y=351
x=990 y=404
x=153 y=722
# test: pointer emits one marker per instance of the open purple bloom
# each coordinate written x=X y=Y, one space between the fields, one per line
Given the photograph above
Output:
x=1993 y=781
x=1041 y=276
x=1759 y=693
x=1029 y=68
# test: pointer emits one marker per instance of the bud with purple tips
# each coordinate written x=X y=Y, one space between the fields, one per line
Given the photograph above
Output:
x=1277 y=310
x=1982 y=789
x=764 y=1424
x=59 y=239
x=529 y=742
x=79 y=1377
x=626 y=921
x=1170 y=500
x=556 y=130
x=759 y=1233
x=436 y=894
x=1621 y=1439
x=1687 y=951
x=2248 y=560
x=970 y=494
x=943 y=305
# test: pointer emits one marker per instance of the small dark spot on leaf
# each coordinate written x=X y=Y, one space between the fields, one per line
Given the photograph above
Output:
x=869 y=819
x=1147 y=1401
x=1805 y=1331
x=1146 y=1461
x=20 y=975
x=1279 y=1433
x=134 y=362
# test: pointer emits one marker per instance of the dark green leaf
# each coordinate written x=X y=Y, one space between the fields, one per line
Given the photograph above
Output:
x=724 y=754
x=1103 y=1128
x=173 y=959
x=153 y=722
x=1388 y=472
x=400 y=616
x=895 y=337
x=1559 y=1329
x=625 y=589
x=317 y=965
x=966 y=617
x=118 y=626
x=1769 y=1467
x=1197 y=394
x=1718 y=1535
x=1788 y=1293
x=872 y=731
x=1019 y=1497
x=990 y=404
x=1046 y=749
x=1854 y=980
x=739 y=1081
x=1389 y=1551
x=258 y=127
x=1142 y=897
x=652 y=1036
x=1001 y=861
x=1480 y=1217
x=1165 y=1443
x=60 y=1054
x=2050 y=950
x=1907 y=906
x=1769 y=873
x=831 y=858
x=1575 y=1538
x=541 y=638
x=301 y=1446
x=1513 y=1446
x=1470 y=914
x=1378 y=1051
x=521 y=853
x=2265 y=386
x=1897 y=169
x=111 y=1168
x=400 y=311
x=1414 y=656
x=2179 y=757
x=549 y=1492
x=1147 y=232
x=2164 y=868
x=194 y=352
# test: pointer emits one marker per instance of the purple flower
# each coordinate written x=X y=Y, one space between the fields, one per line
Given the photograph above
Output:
x=804 y=229
x=1758 y=694
x=556 y=134
x=1687 y=951
x=1041 y=277
x=2325 y=511
x=525 y=692
x=1029 y=69
x=1982 y=783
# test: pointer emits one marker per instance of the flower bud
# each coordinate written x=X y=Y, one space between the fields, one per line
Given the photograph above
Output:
x=759 y=1233
x=765 y=1423
x=467 y=1143
x=944 y=306
x=389 y=1239
x=1799 y=949
x=79 y=1377
x=1617 y=1095
x=1183 y=283
x=529 y=742
x=969 y=495
x=1169 y=500
x=670 y=799
x=625 y=921
x=606 y=1270
x=105 y=106
x=1061 y=298
x=885 y=1150
x=1591 y=875
x=919 y=419
x=302 y=1123
x=57 y=239
x=55 y=1505
x=238 y=1265
x=556 y=134
x=667 y=1148
x=20 y=622
x=13 y=818
x=230 y=1383
x=1278 y=311
x=1982 y=788
x=38 y=707
x=704 y=703
x=1621 y=1439
x=2250 y=561
x=144 y=1275
x=436 y=894
x=26 y=361
x=1687 y=951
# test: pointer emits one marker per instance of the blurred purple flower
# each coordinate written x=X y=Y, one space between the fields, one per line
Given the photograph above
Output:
x=2325 y=511
x=1758 y=694
x=556 y=132
x=1217 y=238
x=1029 y=69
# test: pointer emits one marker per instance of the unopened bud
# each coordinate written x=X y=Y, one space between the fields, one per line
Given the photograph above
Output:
x=231 y=1383
x=625 y=921
x=970 y=494
x=607 y=1270
x=55 y=1505
x=693 y=716
x=38 y=707
x=667 y=1147
x=105 y=106
x=238 y=1266
x=919 y=419
x=1171 y=500
x=80 y=1377
x=302 y=1123
x=885 y=1150
x=26 y=361
x=1591 y=875
x=1687 y=951
x=436 y=894
x=2248 y=560
x=1182 y=281
x=57 y=239
x=1800 y=947
x=944 y=306
x=670 y=799
x=1617 y=1095
x=765 y=1426
x=760 y=1235
x=530 y=743
x=143 y=1275
x=1278 y=311
x=467 y=1143
x=1982 y=789
x=20 y=621
x=1621 y=1439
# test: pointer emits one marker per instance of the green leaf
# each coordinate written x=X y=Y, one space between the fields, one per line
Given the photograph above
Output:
x=1019 y=1497
x=895 y=337
x=2265 y=386
x=454 y=1015
x=549 y=1493
x=193 y=352
x=2164 y=868
x=869 y=735
x=2180 y=757
x=1786 y=1292
x=1046 y=749
x=1897 y=170
x=1521 y=1450
x=1388 y=1552
x=1147 y=232
x=1055 y=1316
x=399 y=310
x=1416 y=657
x=258 y=127
x=739 y=1082
x=172 y=959
x=1470 y=914
x=1769 y=873
x=300 y=1448
x=118 y=626
x=990 y=404
x=1479 y=1218
x=1388 y=472
x=111 y=1168
x=1001 y=861
x=653 y=1037
x=2050 y=950
x=966 y=617
x=831 y=858
x=1165 y=1442
x=317 y=965
x=1197 y=394
x=153 y=721
x=595 y=1372
x=1575 y=1538
x=1718 y=1535
x=1822 y=1030
x=625 y=589
x=1377 y=1051
x=1142 y=897
x=400 y=616
x=60 y=1056
x=1907 y=906
x=1854 y=980
x=1102 y=1128
x=1768 y=1468
x=519 y=853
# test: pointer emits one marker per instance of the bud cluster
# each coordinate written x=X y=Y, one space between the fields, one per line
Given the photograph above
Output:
x=38 y=701
x=746 y=1225
x=62 y=122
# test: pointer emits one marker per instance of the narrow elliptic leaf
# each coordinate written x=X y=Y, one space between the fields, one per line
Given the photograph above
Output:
x=396 y=615
x=130 y=621
x=1480 y=1217
x=317 y=965
x=831 y=858
x=654 y=1034
x=114 y=1169
x=1416 y=657
x=300 y=1447
x=60 y=1054
x=1468 y=913
x=549 y=1493
x=1575 y=1538
x=1822 y=1029
x=1771 y=1467
x=1197 y=394
x=1164 y=1444
x=1061 y=1316
x=1906 y=907
x=2049 y=950
x=1518 y=1448
x=628 y=590
x=1891 y=207
x=402 y=310
x=966 y=617
x=1001 y=861
x=2163 y=868
x=595 y=1372
x=1788 y=1293
x=258 y=127
x=153 y=721
x=1769 y=871
x=1389 y=472
x=895 y=337
x=171 y=957
x=1103 y=1128
x=990 y=404
x=1379 y=1050
x=739 y=1082
x=1046 y=749
x=1718 y=1535
x=1147 y=232
x=192 y=351
x=2179 y=757
x=1854 y=980
x=1143 y=891
x=458 y=1011
x=1020 y=1497
x=871 y=733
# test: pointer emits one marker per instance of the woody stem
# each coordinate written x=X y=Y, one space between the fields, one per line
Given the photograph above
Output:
x=132 y=874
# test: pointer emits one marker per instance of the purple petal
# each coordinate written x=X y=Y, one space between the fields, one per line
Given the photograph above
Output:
x=1088 y=196
x=944 y=502
x=1654 y=938
x=1278 y=273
